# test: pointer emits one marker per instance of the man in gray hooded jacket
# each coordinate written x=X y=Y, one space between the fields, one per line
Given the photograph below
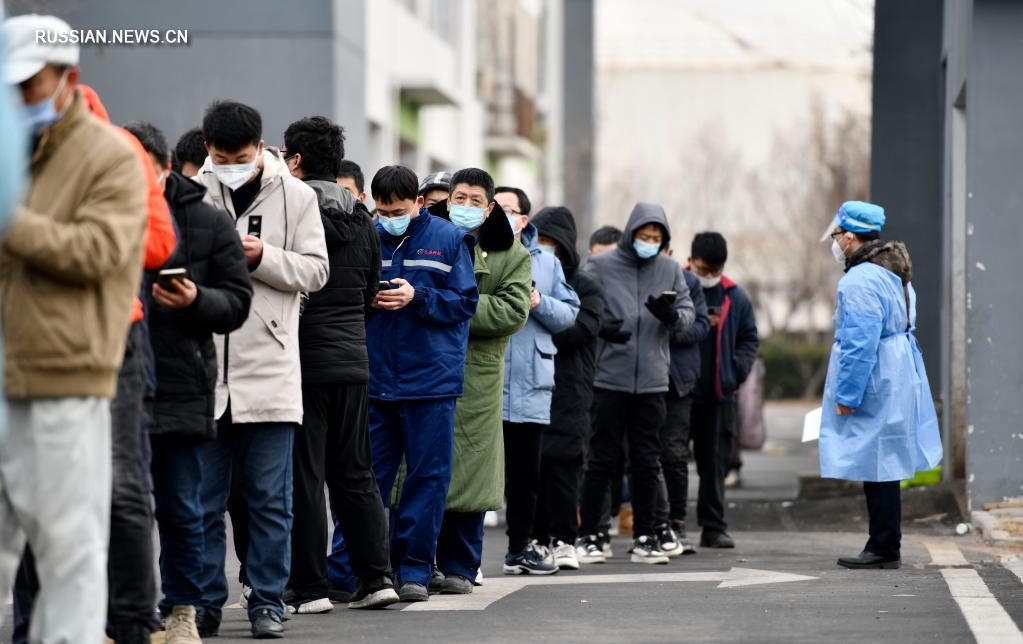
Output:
x=647 y=303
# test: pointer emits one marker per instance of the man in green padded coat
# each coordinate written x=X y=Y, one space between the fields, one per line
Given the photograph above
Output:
x=504 y=275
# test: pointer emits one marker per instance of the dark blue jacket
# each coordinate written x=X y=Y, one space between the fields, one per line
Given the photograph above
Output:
x=737 y=341
x=418 y=352
x=685 y=347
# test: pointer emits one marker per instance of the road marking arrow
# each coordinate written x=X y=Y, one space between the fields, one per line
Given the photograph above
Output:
x=496 y=589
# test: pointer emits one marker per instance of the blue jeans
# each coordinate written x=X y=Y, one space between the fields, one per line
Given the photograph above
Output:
x=261 y=454
x=177 y=481
x=423 y=432
x=460 y=547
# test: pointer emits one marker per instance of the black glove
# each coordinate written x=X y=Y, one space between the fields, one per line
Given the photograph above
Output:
x=663 y=308
x=612 y=332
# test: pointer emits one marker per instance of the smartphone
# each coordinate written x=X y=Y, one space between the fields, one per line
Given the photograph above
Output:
x=256 y=225
x=670 y=294
x=384 y=284
x=168 y=276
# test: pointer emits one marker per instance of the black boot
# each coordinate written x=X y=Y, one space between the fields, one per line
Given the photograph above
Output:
x=868 y=560
x=266 y=625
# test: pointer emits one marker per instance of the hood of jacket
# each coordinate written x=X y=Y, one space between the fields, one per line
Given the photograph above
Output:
x=892 y=256
x=180 y=190
x=643 y=214
x=557 y=223
x=495 y=233
x=342 y=220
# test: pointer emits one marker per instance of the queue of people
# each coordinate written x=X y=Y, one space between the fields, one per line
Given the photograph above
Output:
x=225 y=328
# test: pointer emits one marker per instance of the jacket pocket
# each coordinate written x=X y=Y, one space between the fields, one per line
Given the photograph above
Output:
x=271 y=319
x=543 y=362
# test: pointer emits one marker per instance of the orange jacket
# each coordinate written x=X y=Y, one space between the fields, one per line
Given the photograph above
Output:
x=160 y=239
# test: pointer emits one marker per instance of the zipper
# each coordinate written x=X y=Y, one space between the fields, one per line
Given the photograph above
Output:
x=639 y=321
x=394 y=327
x=227 y=354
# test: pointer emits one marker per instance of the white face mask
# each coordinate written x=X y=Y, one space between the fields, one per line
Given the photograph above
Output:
x=709 y=282
x=235 y=175
x=837 y=251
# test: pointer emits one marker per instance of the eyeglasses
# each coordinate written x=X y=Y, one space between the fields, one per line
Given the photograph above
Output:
x=835 y=235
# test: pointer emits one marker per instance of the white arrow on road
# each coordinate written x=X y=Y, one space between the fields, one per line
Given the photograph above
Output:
x=495 y=589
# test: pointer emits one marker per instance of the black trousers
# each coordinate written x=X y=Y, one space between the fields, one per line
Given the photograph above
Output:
x=523 y=445
x=557 y=504
x=333 y=447
x=884 y=505
x=639 y=417
x=713 y=430
x=673 y=492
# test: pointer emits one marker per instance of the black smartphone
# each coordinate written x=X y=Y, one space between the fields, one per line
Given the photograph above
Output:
x=383 y=284
x=256 y=225
x=669 y=294
x=168 y=276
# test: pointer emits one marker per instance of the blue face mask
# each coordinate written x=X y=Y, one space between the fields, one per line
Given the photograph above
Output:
x=42 y=114
x=466 y=217
x=645 y=250
x=396 y=225
x=513 y=221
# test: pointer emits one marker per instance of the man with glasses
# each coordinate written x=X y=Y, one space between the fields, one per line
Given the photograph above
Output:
x=416 y=336
x=726 y=357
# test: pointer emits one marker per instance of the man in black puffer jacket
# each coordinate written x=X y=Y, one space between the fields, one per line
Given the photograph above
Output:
x=566 y=439
x=333 y=445
x=185 y=312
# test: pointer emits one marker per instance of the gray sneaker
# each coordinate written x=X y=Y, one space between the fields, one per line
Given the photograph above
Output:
x=456 y=585
x=413 y=592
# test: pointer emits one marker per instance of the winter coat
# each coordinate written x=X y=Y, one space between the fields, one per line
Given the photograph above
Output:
x=260 y=372
x=685 y=348
x=418 y=352
x=640 y=365
x=71 y=261
x=575 y=363
x=877 y=369
x=737 y=341
x=332 y=330
x=529 y=360
x=182 y=340
x=503 y=272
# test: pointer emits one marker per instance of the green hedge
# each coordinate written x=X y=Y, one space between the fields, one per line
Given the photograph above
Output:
x=795 y=366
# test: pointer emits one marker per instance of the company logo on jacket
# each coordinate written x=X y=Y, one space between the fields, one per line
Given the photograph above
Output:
x=424 y=251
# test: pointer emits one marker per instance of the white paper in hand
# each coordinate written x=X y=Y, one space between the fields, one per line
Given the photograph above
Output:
x=812 y=425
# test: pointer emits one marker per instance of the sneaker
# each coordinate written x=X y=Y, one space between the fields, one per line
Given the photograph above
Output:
x=456 y=585
x=436 y=582
x=543 y=551
x=733 y=479
x=378 y=593
x=564 y=556
x=491 y=519
x=668 y=541
x=688 y=548
x=413 y=592
x=206 y=624
x=309 y=607
x=266 y=625
x=479 y=578
x=588 y=550
x=716 y=539
x=180 y=626
x=339 y=595
x=645 y=551
x=528 y=562
x=605 y=546
x=243 y=600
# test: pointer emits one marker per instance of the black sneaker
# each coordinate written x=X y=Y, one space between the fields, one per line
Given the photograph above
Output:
x=456 y=585
x=529 y=562
x=588 y=550
x=645 y=551
x=436 y=582
x=870 y=561
x=266 y=625
x=668 y=541
x=413 y=592
x=716 y=539
x=378 y=593
x=206 y=624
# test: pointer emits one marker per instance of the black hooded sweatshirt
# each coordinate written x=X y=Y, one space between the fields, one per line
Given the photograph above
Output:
x=576 y=361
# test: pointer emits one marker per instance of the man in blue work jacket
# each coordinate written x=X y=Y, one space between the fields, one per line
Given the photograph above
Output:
x=417 y=337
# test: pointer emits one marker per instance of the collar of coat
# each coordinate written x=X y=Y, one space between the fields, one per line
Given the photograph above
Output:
x=892 y=256
x=494 y=235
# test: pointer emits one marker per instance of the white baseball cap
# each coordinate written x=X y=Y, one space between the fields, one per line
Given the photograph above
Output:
x=27 y=53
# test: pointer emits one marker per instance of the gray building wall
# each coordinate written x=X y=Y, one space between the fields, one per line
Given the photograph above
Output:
x=578 y=114
x=279 y=57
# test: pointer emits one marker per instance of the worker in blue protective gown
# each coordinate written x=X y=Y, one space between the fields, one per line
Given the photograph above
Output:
x=879 y=425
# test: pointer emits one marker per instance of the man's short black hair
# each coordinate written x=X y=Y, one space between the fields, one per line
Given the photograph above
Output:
x=230 y=126
x=711 y=248
x=474 y=177
x=190 y=149
x=524 y=204
x=151 y=138
x=394 y=183
x=320 y=141
x=351 y=170
x=605 y=235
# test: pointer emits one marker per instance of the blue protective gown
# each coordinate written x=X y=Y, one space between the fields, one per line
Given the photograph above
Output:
x=877 y=369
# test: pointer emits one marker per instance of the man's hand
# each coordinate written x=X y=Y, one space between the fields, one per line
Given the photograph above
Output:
x=845 y=411
x=253 y=248
x=663 y=308
x=392 y=299
x=534 y=299
x=184 y=293
x=715 y=319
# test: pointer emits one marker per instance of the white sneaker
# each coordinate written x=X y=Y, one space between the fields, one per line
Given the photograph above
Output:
x=315 y=607
x=645 y=551
x=180 y=626
x=479 y=578
x=545 y=552
x=565 y=557
x=669 y=542
x=587 y=551
x=490 y=519
x=243 y=601
x=605 y=546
